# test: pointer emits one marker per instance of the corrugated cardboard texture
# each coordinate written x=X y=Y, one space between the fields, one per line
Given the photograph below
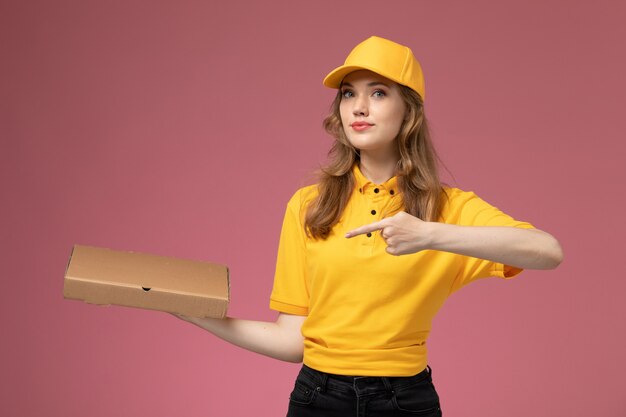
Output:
x=104 y=276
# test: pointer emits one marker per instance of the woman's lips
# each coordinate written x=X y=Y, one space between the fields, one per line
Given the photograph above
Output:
x=360 y=126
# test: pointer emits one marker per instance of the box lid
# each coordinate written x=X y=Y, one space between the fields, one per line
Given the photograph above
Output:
x=99 y=275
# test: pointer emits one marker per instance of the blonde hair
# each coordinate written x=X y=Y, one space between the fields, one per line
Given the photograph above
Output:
x=417 y=171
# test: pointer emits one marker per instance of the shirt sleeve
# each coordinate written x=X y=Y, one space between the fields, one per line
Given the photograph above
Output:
x=474 y=211
x=290 y=293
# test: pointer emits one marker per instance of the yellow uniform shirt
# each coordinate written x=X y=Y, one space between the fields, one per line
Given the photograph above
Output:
x=369 y=312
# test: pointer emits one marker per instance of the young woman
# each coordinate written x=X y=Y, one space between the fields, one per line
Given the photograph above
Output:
x=369 y=254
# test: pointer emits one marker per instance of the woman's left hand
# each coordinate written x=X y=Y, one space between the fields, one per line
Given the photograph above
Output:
x=402 y=232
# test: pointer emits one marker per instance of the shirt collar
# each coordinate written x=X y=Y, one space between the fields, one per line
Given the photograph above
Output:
x=363 y=184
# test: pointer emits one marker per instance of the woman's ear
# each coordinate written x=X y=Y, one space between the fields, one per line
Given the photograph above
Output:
x=407 y=112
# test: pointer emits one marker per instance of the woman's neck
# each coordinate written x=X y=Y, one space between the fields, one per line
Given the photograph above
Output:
x=378 y=167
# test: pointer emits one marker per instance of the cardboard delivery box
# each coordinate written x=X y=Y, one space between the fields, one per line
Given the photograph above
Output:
x=104 y=276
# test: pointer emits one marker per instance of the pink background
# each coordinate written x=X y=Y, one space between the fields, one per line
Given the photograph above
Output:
x=182 y=128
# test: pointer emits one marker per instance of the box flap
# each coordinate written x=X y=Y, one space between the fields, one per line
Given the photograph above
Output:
x=147 y=271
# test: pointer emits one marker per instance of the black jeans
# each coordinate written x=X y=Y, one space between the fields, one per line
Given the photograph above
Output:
x=318 y=394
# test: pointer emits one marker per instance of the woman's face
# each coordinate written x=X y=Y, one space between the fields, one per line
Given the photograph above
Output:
x=372 y=111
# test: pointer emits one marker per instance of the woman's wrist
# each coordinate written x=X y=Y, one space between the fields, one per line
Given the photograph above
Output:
x=439 y=234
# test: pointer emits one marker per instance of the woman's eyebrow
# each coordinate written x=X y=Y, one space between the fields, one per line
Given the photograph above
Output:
x=372 y=84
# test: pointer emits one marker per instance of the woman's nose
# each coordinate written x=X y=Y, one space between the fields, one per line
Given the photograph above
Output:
x=360 y=107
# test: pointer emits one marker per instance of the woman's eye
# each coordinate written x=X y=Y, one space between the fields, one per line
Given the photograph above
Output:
x=347 y=94
x=379 y=93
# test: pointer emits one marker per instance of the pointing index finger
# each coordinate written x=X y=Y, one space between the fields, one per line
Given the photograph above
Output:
x=366 y=229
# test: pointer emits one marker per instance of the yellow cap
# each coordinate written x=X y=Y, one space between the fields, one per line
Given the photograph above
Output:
x=384 y=57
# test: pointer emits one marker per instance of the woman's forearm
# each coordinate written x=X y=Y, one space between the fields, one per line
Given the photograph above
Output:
x=280 y=340
x=522 y=248
x=514 y=246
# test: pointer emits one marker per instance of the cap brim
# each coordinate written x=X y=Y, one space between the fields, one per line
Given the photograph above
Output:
x=336 y=76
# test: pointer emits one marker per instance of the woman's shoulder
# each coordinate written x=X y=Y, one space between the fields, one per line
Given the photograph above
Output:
x=303 y=196
x=456 y=194
x=456 y=200
x=467 y=208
